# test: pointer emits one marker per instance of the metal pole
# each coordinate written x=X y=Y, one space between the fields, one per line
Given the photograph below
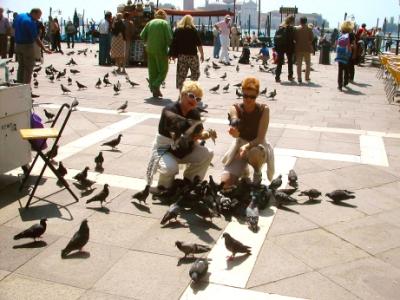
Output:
x=157 y=4
x=249 y=24
x=234 y=11
x=259 y=17
x=345 y=16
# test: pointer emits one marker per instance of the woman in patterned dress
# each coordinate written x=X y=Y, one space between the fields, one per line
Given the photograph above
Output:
x=118 y=43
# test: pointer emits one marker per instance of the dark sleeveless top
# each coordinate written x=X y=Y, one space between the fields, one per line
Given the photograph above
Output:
x=249 y=122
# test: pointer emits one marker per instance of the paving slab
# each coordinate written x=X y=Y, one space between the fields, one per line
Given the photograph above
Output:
x=127 y=277
x=368 y=278
x=372 y=234
x=308 y=246
x=93 y=295
x=17 y=286
x=3 y=274
x=391 y=257
x=90 y=265
x=311 y=285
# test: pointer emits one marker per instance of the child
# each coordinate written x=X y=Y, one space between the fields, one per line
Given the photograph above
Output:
x=245 y=56
x=264 y=54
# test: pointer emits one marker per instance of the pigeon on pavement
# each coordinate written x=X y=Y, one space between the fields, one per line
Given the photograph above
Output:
x=172 y=213
x=198 y=269
x=292 y=179
x=235 y=246
x=272 y=94
x=99 y=159
x=64 y=89
x=82 y=175
x=191 y=248
x=33 y=232
x=80 y=85
x=253 y=215
x=102 y=196
x=123 y=107
x=312 y=194
x=340 y=195
x=114 y=142
x=78 y=241
x=98 y=84
x=142 y=195
x=215 y=88
x=276 y=183
x=48 y=115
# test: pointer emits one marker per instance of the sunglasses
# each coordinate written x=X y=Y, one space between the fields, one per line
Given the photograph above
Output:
x=249 y=96
x=193 y=97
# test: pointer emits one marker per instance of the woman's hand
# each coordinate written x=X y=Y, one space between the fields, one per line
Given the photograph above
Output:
x=243 y=151
x=233 y=131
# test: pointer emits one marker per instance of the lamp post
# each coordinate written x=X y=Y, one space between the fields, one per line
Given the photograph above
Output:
x=259 y=17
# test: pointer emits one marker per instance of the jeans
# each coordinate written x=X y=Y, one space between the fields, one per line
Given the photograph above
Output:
x=343 y=75
x=281 y=60
x=71 y=36
x=104 y=49
x=217 y=46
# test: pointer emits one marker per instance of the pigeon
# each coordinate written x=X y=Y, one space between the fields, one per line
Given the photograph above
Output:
x=340 y=195
x=100 y=196
x=37 y=69
x=252 y=215
x=12 y=71
x=207 y=59
x=116 y=89
x=114 y=142
x=224 y=76
x=78 y=241
x=69 y=80
x=74 y=104
x=34 y=96
x=215 y=66
x=71 y=62
x=142 y=195
x=261 y=69
x=283 y=199
x=238 y=94
x=62 y=171
x=207 y=73
x=35 y=83
x=51 y=77
x=237 y=68
x=132 y=83
x=263 y=92
x=233 y=122
x=198 y=269
x=99 y=159
x=172 y=213
x=123 y=107
x=59 y=75
x=52 y=153
x=215 y=88
x=226 y=88
x=312 y=194
x=82 y=175
x=119 y=84
x=48 y=115
x=80 y=85
x=86 y=183
x=238 y=85
x=64 y=89
x=235 y=246
x=34 y=74
x=73 y=71
x=98 y=84
x=106 y=76
x=204 y=211
x=33 y=232
x=191 y=248
x=287 y=191
x=276 y=183
x=48 y=72
x=106 y=81
x=272 y=94
x=292 y=179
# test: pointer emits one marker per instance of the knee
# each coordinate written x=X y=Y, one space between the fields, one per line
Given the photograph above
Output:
x=170 y=169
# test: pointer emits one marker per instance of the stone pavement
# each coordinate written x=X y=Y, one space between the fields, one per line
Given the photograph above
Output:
x=332 y=139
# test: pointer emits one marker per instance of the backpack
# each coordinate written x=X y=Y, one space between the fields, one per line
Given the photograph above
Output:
x=280 y=39
x=343 y=49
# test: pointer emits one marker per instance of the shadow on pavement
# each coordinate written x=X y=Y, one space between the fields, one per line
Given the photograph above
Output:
x=141 y=207
x=230 y=264
x=79 y=255
x=31 y=245
x=158 y=101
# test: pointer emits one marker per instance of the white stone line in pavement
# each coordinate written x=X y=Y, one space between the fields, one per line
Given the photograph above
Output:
x=318 y=155
x=271 y=125
x=215 y=291
x=373 y=151
x=237 y=274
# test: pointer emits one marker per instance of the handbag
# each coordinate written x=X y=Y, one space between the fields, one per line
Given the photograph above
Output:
x=36 y=122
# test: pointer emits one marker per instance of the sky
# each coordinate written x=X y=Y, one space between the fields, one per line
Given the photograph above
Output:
x=364 y=11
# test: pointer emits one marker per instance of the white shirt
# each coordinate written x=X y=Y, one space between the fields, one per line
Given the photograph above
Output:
x=104 y=27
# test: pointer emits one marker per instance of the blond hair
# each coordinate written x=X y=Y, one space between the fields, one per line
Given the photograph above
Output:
x=186 y=22
x=190 y=86
x=288 y=20
x=160 y=14
x=251 y=83
x=347 y=26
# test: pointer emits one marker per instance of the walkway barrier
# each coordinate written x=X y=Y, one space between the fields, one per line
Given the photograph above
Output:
x=389 y=71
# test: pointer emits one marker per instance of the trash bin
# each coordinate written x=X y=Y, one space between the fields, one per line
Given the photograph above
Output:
x=325 y=53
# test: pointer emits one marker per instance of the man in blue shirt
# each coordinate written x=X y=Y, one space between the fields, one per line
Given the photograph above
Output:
x=26 y=35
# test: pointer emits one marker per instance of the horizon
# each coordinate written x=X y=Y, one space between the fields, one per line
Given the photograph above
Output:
x=364 y=11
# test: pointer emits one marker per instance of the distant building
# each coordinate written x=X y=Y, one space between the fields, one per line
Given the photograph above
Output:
x=188 y=4
x=276 y=20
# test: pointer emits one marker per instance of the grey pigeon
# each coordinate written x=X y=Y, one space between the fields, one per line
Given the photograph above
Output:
x=276 y=183
x=62 y=171
x=253 y=215
x=204 y=211
x=226 y=88
x=102 y=196
x=340 y=195
x=114 y=142
x=312 y=194
x=172 y=213
x=69 y=80
x=238 y=94
x=98 y=83
x=106 y=81
x=283 y=199
x=215 y=66
x=263 y=92
x=73 y=71
x=64 y=89
x=78 y=241
x=33 y=232
x=99 y=159
x=116 y=89
x=48 y=115
x=191 y=248
x=215 y=88
x=142 y=195
x=82 y=175
x=51 y=77
x=80 y=85
x=235 y=246
x=132 y=83
x=35 y=83
x=237 y=68
x=292 y=179
x=272 y=94
x=123 y=107
x=224 y=76
x=74 y=104
x=198 y=269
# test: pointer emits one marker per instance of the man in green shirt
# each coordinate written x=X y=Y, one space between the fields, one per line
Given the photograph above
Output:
x=157 y=35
